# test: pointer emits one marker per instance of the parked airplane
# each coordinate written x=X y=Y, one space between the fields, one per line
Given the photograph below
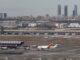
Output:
x=50 y=46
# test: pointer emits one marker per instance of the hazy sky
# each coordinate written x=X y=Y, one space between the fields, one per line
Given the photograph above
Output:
x=36 y=7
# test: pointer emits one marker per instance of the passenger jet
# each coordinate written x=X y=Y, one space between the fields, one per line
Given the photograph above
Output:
x=50 y=46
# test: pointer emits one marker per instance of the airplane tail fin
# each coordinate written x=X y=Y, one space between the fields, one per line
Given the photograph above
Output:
x=52 y=46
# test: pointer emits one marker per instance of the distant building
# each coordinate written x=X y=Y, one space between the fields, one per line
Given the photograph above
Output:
x=74 y=25
x=75 y=8
x=8 y=23
x=59 y=10
x=73 y=13
x=32 y=25
x=3 y=15
x=66 y=10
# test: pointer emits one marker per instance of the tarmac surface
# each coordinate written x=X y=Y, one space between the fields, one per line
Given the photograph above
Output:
x=61 y=52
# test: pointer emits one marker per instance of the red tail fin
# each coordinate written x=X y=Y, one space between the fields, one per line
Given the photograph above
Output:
x=49 y=46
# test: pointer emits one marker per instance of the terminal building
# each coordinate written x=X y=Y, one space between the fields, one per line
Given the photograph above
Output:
x=11 y=44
